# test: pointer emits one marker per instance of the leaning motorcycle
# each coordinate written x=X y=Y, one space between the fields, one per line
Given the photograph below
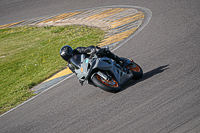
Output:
x=104 y=72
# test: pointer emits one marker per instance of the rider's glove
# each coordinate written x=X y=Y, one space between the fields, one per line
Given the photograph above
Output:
x=100 y=53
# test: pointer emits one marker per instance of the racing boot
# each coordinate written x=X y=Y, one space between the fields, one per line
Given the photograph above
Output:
x=119 y=61
x=114 y=57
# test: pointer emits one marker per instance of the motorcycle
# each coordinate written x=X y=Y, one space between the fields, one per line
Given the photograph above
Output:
x=104 y=72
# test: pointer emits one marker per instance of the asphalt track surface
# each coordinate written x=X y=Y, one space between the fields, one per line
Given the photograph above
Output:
x=166 y=99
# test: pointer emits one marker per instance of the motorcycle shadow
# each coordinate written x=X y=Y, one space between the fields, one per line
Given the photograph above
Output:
x=146 y=76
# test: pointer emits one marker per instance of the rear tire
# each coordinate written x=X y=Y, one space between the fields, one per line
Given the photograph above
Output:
x=110 y=86
x=137 y=71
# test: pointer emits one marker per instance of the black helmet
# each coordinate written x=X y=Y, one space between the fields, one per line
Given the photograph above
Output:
x=66 y=52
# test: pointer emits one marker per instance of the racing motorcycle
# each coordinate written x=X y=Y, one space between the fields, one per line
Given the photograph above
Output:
x=104 y=72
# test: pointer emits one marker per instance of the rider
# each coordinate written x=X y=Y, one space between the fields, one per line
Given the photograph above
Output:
x=67 y=52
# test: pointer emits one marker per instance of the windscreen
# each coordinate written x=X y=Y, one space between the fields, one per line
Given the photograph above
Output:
x=76 y=60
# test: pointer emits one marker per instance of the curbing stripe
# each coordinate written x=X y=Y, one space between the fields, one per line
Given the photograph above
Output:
x=117 y=37
x=59 y=17
x=127 y=20
x=106 y=13
x=62 y=73
x=88 y=13
x=10 y=25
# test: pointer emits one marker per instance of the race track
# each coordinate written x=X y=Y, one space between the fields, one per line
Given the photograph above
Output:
x=166 y=99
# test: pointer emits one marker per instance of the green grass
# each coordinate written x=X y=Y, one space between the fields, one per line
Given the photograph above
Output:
x=29 y=55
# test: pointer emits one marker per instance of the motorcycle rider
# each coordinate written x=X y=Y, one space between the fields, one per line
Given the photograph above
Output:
x=67 y=52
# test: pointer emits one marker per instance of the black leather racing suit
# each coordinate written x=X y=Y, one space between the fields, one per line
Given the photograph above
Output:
x=101 y=52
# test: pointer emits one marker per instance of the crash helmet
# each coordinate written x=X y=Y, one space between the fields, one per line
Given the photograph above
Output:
x=66 y=52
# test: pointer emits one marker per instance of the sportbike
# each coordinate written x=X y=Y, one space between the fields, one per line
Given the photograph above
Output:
x=103 y=72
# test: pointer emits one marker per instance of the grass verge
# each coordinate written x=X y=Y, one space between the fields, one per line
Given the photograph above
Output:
x=29 y=55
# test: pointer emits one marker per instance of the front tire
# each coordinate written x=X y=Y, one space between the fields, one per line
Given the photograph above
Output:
x=107 y=85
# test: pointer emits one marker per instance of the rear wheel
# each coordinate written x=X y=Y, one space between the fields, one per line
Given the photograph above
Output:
x=136 y=70
x=108 y=85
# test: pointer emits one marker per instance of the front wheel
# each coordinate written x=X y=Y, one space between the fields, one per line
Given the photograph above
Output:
x=108 y=85
x=136 y=70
